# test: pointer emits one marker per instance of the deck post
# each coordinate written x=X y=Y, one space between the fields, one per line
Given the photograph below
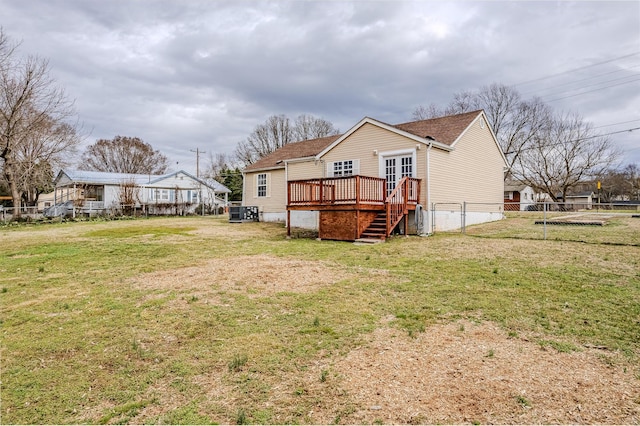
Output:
x=405 y=210
x=288 y=223
x=388 y=209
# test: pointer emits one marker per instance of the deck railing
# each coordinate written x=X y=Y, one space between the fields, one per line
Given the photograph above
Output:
x=337 y=190
x=407 y=192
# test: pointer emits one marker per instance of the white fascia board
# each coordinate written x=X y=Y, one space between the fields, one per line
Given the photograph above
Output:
x=264 y=169
x=493 y=135
x=299 y=160
x=368 y=120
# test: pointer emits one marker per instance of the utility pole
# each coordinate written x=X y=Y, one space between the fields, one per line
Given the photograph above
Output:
x=198 y=152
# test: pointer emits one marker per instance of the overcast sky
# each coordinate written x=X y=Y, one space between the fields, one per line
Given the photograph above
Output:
x=194 y=74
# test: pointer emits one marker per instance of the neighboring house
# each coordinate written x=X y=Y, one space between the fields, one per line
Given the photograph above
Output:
x=376 y=176
x=173 y=193
x=579 y=201
x=47 y=200
x=517 y=196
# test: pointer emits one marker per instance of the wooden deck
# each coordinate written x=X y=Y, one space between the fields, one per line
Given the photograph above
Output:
x=350 y=205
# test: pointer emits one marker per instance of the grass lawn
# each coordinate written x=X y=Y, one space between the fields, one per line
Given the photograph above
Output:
x=195 y=320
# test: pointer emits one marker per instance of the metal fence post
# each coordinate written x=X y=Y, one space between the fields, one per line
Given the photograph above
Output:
x=433 y=218
x=464 y=217
x=544 y=221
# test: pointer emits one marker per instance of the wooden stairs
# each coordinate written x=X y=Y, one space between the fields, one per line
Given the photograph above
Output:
x=377 y=230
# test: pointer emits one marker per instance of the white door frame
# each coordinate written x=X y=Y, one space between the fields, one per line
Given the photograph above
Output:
x=397 y=154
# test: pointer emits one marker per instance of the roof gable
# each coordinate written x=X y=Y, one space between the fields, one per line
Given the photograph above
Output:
x=445 y=130
x=441 y=132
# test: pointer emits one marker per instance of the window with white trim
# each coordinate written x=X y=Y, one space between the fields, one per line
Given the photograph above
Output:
x=194 y=196
x=343 y=168
x=163 y=195
x=261 y=185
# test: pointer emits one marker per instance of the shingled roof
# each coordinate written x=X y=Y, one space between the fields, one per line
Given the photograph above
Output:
x=303 y=149
x=443 y=129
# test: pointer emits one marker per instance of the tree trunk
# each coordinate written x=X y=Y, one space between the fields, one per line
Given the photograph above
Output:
x=13 y=188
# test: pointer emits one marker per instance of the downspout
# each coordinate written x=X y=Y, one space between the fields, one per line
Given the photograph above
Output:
x=244 y=188
x=286 y=193
x=429 y=224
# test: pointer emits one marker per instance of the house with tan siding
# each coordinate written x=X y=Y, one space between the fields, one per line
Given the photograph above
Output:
x=378 y=178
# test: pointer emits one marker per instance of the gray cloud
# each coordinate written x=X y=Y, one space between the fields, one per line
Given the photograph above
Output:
x=182 y=75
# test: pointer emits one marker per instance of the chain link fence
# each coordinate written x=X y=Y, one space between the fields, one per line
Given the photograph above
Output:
x=604 y=223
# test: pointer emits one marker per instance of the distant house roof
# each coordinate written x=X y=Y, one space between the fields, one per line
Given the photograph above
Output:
x=444 y=130
x=107 y=178
x=514 y=186
x=104 y=178
x=582 y=194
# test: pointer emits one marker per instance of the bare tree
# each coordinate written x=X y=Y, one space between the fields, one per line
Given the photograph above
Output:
x=277 y=132
x=515 y=122
x=30 y=102
x=423 y=113
x=566 y=153
x=464 y=101
x=124 y=154
x=218 y=163
x=309 y=127
x=273 y=134
x=632 y=178
x=45 y=149
x=128 y=197
x=621 y=184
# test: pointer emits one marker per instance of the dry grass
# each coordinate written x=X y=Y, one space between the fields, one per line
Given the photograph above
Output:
x=411 y=331
x=260 y=276
x=466 y=372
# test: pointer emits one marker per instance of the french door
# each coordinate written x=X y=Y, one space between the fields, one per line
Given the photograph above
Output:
x=395 y=168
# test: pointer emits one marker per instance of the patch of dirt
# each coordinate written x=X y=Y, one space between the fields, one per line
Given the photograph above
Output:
x=256 y=276
x=465 y=372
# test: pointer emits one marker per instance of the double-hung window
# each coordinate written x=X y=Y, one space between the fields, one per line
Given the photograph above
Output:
x=261 y=185
x=194 y=196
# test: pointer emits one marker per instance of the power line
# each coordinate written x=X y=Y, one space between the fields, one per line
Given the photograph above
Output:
x=579 y=139
x=578 y=69
x=615 y=124
x=602 y=82
x=588 y=78
x=591 y=91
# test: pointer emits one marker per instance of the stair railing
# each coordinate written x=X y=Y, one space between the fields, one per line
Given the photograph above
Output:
x=396 y=204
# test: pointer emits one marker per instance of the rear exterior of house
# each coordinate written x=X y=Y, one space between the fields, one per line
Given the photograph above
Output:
x=341 y=184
